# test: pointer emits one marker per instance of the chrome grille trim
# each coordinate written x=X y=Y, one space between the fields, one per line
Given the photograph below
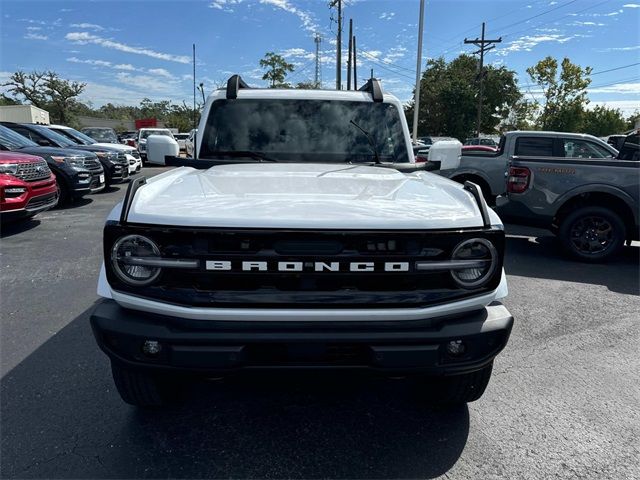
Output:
x=33 y=171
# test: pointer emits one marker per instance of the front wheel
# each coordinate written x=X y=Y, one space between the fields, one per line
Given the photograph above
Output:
x=63 y=192
x=143 y=389
x=457 y=389
x=592 y=233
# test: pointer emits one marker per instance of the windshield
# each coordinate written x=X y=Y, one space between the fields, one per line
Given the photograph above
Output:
x=80 y=137
x=11 y=140
x=100 y=135
x=305 y=130
x=146 y=133
x=56 y=138
x=70 y=134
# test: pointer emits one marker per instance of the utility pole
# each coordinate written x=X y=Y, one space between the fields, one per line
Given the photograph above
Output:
x=350 y=52
x=339 y=45
x=485 y=46
x=318 y=80
x=416 y=106
x=195 y=114
x=355 y=65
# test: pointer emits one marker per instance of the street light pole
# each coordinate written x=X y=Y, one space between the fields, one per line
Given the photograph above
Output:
x=416 y=106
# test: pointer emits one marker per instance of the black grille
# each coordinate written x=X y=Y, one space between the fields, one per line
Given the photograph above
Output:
x=91 y=163
x=42 y=201
x=271 y=288
x=33 y=171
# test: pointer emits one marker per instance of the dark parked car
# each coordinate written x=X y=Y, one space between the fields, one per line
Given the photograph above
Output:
x=114 y=162
x=489 y=142
x=101 y=134
x=77 y=172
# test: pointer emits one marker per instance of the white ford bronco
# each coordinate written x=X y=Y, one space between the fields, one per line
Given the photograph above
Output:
x=302 y=235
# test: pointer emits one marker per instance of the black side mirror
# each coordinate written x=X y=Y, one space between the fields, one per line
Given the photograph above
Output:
x=44 y=142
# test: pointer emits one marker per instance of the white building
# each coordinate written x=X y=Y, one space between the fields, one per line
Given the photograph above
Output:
x=24 y=114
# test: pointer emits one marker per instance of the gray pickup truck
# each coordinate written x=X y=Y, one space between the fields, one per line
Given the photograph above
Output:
x=488 y=169
x=587 y=197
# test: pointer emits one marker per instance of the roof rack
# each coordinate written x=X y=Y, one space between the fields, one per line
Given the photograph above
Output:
x=234 y=84
x=374 y=88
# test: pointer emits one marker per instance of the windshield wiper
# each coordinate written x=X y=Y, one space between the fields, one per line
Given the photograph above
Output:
x=371 y=141
x=261 y=157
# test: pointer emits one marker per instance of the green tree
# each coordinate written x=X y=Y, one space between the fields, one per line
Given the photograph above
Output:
x=564 y=92
x=62 y=95
x=307 y=86
x=30 y=86
x=449 y=97
x=603 y=121
x=4 y=100
x=277 y=69
x=48 y=91
x=633 y=120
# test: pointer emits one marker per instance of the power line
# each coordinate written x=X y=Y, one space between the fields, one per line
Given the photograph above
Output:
x=616 y=68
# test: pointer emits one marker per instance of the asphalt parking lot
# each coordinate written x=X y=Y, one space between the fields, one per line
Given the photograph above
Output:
x=563 y=400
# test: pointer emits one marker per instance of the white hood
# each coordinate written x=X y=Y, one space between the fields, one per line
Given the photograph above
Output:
x=116 y=146
x=261 y=195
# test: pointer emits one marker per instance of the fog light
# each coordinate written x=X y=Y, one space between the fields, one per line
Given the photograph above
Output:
x=456 y=348
x=151 y=347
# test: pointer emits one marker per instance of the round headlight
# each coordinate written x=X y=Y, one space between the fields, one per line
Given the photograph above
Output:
x=123 y=255
x=478 y=251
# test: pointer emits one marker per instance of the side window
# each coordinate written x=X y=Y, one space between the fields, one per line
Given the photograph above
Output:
x=576 y=148
x=27 y=133
x=534 y=147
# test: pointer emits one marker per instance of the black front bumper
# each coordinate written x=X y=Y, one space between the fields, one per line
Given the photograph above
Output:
x=209 y=347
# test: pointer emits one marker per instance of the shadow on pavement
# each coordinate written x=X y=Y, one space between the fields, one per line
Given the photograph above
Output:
x=61 y=418
x=75 y=203
x=537 y=253
x=8 y=229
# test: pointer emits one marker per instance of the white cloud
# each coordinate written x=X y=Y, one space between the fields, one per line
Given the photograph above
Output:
x=146 y=83
x=294 y=52
x=528 y=42
x=125 y=66
x=621 y=88
x=586 y=24
x=33 y=29
x=97 y=63
x=631 y=5
x=224 y=5
x=83 y=38
x=620 y=49
x=387 y=15
x=90 y=26
x=305 y=17
x=627 y=107
x=35 y=36
x=161 y=72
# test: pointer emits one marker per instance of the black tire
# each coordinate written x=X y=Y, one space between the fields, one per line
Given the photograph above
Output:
x=592 y=234
x=64 y=197
x=457 y=389
x=146 y=390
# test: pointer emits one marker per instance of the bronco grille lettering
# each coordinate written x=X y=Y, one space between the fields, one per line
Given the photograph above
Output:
x=297 y=266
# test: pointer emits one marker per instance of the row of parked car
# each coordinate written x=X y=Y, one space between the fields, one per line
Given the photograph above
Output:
x=45 y=165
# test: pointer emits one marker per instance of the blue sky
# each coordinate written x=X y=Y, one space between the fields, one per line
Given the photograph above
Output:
x=126 y=51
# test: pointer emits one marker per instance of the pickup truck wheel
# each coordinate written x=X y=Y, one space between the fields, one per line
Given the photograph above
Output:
x=145 y=390
x=457 y=389
x=592 y=233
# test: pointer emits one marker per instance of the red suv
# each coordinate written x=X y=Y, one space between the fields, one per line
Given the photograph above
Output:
x=27 y=186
